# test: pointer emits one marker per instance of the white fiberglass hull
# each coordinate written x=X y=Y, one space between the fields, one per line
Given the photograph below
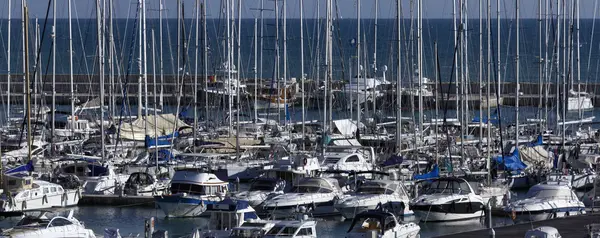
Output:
x=441 y=216
x=40 y=202
x=52 y=232
x=579 y=103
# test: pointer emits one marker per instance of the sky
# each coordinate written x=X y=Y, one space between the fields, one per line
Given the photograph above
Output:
x=347 y=8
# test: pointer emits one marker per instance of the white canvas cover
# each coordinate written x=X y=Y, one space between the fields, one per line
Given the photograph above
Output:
x=345 y=127
x=536 y=157
x=165 y=125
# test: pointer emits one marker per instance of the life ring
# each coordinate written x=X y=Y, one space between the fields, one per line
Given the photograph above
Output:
x=44 y=199
x=305 y=161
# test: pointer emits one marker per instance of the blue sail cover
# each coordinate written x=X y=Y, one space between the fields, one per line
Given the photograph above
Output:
x=434 y=173
x=161 y=141
x=511 y=162
x=23 y=168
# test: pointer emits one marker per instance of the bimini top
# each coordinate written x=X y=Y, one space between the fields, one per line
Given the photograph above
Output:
x=319 y=183
x=449 y=185
x=196 y=177
x=382 y=217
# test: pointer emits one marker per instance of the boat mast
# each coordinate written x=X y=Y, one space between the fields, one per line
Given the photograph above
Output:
x=255 y=70
x=111 y=59
x=160 y=35
x=375 y=59
x=358 y=71
x=481 y=71
x=53 y=126
x=541 y=69
x=101 y=75
x=27 y=110
x=302 y=68
x=237 y=86
x=498 y=56
x=579 y=103
x=456 y=95
x=284 y=63
x=145 y=58
x=204 y=61
x=489 y=76
x=398 y=83
x=330 y=57
x=518 y=79
x=25 y=64
x=546 y=75
x=8 y=63
x=155 y=98
x=420 y=64
x=229 y=63
x=196 y=76
x=141 y=69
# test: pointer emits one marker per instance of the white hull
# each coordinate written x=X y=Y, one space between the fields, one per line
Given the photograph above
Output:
x=440 y=216
x=54 y=232
x=39 y=202
x=583 y=103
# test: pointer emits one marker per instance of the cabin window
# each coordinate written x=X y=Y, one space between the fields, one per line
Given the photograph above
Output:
x=353 y=158
x=12 y=182
x=53 y=189
x=288 y=231
x=305 y=232
x=46 y=190
x=275 y=230
x=60 y=190
x=80 y=170
x=59 y=222
x=25 y=194
x=27 y=181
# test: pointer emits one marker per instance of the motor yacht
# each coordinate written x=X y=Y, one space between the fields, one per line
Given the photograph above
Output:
x=99 y=178
x=226 y=215
x=579 y=101
x=316 y=194
x=381 y=223
x=346 y=161
x=191 y=190
x=447 y=199
x=23 y=193
x=295 y=228
x=370 y=194
x=546 y=200
x=260 y=189
x=147 y=183
x=45 y=226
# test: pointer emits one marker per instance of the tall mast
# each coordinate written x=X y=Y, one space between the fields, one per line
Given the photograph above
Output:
x=101 y=74
x=579 y=103
x=111 y=58
x=375 y=57
x=229 y=64
x=237 y=86
x=145 y=58
x=160 y=35
x=517 y=76
x=53 y=77
x=358 y=72
x=24 y=41
x=284 y=62
x=330 y=58
x=488 y=98
x=398 y=83
x=155 y=98
x=456 y=95
x=541 y=69
x=27 y=110
x=546 y=60
x=498 y=54
x=420 y=64
x=205 y=61
x=8 y=62
x=196 y=74
x=558 y=69
x=140 y=67
x=71 y=65
x=302 y=67
x=480 y=71
x=255 y=70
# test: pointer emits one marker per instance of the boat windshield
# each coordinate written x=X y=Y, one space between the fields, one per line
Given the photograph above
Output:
x=282 y=231
x=366 y=224
x=246 y=233
x=448 y=187
x=331 y=160
x=310 y=189
x=373 y=190
x=262 y=185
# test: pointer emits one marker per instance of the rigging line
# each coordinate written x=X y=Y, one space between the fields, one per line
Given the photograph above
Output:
x=498 y=111
x=445 y=125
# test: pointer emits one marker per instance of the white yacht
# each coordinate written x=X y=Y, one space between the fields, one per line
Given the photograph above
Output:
x=316 y=194
x=361 y=90
x=260 y=189
x=381 y=223
x=44 y=226
x=225 y=83
x=191 y=190
x=344 y=161
x=98 y=178
x=448 y=199
x=370 y=194
x=292 y=169
x=23 y=193
x=546 y=200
